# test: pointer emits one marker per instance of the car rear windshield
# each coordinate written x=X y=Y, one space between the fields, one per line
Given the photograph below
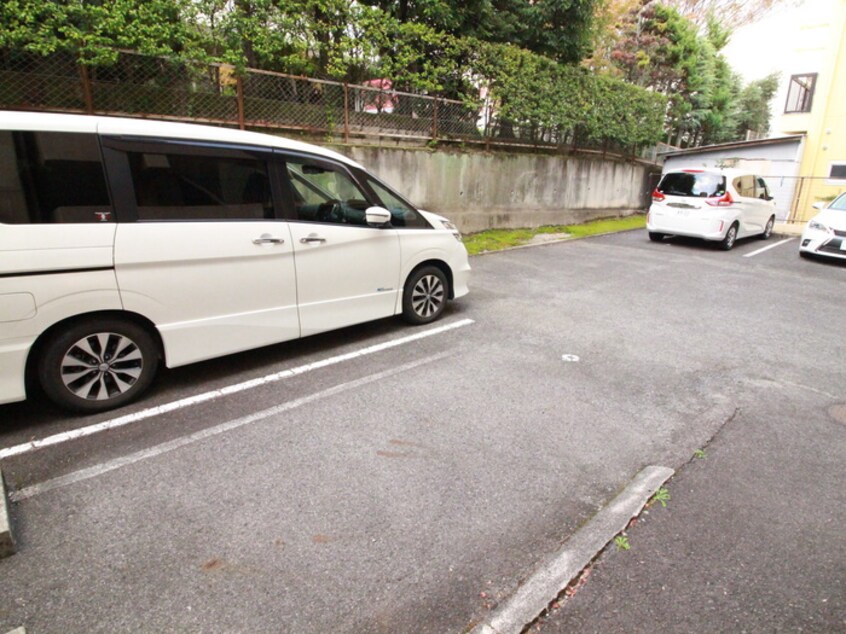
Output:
x=699 y=184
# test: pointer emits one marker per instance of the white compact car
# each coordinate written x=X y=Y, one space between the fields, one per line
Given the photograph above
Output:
x=126 y=243
x=825 y=233
x=720 y=205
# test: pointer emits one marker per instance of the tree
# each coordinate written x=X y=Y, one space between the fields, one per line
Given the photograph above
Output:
x=558 y=29
x=753 y=106
x=93 y=31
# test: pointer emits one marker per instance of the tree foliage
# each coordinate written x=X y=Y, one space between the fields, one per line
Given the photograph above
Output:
x=518 y=56
x=662 y=51
x=754 y=105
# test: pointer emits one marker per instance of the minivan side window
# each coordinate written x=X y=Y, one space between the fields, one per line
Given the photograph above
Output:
x=745 y=186
x=177 y=187
x=323 y=193
x=402 y=214
x=52 y=177
x=761 y=189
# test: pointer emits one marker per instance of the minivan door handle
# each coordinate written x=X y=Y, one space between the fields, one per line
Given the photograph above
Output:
x=266 y=238
x=312 y=238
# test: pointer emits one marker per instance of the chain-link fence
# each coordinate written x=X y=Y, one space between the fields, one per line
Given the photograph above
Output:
x=140 y=85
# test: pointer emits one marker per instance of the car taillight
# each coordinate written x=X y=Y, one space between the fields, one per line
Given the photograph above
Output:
x=657 y=196
x=723 y=201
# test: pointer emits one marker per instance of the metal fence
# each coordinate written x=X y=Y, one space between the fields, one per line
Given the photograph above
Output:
x=145 y=86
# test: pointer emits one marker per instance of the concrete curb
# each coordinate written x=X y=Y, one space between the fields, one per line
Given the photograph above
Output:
x=18 y=630
x=7 y=540
x=546 y=583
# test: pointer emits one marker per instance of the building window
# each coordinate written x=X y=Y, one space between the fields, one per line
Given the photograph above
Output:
x=800 y=93
x=837 y=173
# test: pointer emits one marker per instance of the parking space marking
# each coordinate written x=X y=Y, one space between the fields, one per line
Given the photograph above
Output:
x=152 y=452
x=767 y=248
x=225 y=391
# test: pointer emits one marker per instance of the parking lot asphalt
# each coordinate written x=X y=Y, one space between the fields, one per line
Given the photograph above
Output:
x=414 y=487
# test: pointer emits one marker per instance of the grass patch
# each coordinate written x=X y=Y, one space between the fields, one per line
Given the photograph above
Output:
x=498 y=239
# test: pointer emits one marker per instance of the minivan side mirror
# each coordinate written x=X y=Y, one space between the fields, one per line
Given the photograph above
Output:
x=377 y=217
x=818 y=205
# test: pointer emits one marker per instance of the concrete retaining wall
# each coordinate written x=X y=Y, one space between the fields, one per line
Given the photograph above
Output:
x=497 y=190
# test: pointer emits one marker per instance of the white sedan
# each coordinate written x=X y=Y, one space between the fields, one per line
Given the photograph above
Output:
x=825 y=234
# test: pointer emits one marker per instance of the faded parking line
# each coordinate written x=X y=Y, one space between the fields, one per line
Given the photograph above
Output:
x=225 y=391
x=152 y=452
x=767 y=248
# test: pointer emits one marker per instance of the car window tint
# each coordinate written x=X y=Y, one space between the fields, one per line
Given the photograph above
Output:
x=698 y=184
x=190 y=187
x=52 y=177
x=402 y=214
x=325 y=194
x=761 y=190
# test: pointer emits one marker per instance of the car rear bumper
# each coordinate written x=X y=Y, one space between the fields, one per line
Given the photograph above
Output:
x=705 y=229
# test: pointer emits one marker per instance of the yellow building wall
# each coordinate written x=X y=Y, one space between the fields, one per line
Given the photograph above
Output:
x=820 y=47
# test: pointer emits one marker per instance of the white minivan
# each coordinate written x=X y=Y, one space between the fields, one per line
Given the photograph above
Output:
x=128 y=243
x=721 y=205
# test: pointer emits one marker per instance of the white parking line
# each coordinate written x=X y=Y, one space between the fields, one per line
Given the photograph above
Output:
x=152 y=452
x=225 y=391
x=767 y=248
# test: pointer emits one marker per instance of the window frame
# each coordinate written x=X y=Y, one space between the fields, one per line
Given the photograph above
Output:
x=808 y=99
x=116 y=159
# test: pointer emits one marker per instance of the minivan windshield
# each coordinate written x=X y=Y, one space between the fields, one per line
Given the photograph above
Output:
x=699 y=184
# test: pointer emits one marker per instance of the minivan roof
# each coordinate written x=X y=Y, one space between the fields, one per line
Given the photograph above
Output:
x=54 y=122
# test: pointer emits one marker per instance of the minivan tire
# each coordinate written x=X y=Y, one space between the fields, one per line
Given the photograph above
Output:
x=425 y=295
x=95 y=365
x=768 y=229
x=731 y=237
x=656 y=237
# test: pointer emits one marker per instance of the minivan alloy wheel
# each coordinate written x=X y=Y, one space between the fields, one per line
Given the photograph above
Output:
x=97 y=364
x=428 y=296
x=425 y=295
x=102 y=366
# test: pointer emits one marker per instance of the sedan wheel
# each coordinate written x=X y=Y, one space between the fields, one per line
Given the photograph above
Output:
x=95 y=366
x=425 y=295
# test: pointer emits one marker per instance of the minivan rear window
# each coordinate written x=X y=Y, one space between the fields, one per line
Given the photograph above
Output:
x=698 y=184
x=52 y=177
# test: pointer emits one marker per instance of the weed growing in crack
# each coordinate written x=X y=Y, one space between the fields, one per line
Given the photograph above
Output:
x=661 y=496
x=699 y=453
x=622 y=542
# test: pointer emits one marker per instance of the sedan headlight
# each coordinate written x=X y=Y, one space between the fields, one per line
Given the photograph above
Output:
x=818 y=226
